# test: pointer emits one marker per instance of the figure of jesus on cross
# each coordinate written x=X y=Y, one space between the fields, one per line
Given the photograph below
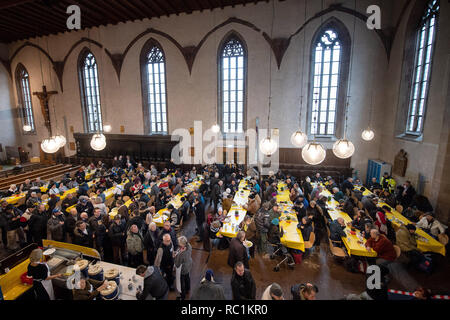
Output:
x=44 y=97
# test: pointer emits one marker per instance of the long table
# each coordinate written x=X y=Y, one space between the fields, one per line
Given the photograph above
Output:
x=425 y=242
x=292 y=237
x=237 y=212
x=354 y=243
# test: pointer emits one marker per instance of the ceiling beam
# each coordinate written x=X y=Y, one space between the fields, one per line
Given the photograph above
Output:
x=139 y=6
x=13 y=3
x=27 y=25
x=124 y=15
x=211 y=6
x=199 y=5
x=186 y=6
x=60 y=10
x=138 y=14
x=30 y=16
x=160 y=7
x=171 y=7
x=93 y=6
x=154 y=7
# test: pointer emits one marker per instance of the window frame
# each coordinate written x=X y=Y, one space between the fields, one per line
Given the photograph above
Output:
x=228 y=37
x=424 y=19
x=345 y=51
x=20 y=69
x=83 y=90
x=148 y=46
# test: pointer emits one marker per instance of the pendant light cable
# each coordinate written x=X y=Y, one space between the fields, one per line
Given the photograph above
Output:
x=351 y=71
x=270 y=70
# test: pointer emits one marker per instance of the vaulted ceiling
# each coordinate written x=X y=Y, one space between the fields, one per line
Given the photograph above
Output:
x=22 y=19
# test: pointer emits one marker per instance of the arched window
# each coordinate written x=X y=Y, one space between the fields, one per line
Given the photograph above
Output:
x=329 y=70
x=232 y=84
x=90 y=91
x=154 y=95
x=24 y=96
x=425 y=39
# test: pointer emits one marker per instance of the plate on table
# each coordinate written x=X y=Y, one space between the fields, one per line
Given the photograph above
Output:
x=248 y=244
x=49 y=251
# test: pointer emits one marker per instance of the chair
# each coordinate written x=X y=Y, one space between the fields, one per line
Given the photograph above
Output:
x=398 y=251
x=337 y=252
x=399 y=208
x=310 y=243
x=443 y=238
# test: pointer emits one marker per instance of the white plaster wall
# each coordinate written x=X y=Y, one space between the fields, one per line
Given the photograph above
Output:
x=422 y=156
x=193 y=96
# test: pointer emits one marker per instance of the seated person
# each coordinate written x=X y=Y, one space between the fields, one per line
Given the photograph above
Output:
x=360 y=220
x=305 y=227
x=274 y=236
x=407 y=241
x=337 y=228
x=337 y=194
x=88 y=289
x=430 y=225
x=374 y=185
x=382 y=246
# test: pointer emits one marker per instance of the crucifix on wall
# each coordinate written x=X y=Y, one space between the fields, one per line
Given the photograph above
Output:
x=44 y=97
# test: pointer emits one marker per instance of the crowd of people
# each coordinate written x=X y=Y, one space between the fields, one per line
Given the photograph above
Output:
x=161 y=254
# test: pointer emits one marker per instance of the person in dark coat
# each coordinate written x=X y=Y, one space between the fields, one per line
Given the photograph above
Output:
x=301 y=291
x=98 y=230
x=82 y=235
x=242 y=284
x=208 y=289
x=237 y=251
x=165 y=259
x=167 y=228
x=199 y=210
x=151 y=244
x=88 y=289
x=117 y=234
x=347 y=185
x=38 y=225
x=337 y=230
x=155 y=287
x=69 y=224
x=55 y=226
x=84 y=205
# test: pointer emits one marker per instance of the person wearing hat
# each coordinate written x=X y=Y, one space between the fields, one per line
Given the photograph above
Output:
x=273 y=292
x=42 y=280
x=407 y=241
x=208 y=289
x=274 y=236
x=55 y=226
x=84 y=205
x=303 y=291
x=237 y=250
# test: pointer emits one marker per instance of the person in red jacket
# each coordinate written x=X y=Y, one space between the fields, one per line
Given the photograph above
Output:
x=382 y=246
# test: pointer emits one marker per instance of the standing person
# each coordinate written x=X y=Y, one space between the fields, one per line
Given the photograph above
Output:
x=69 y=224
x=262 y=226
x=199 y=210
x=38 y=225
x=249 y=227
x=237 y=250
x=42 y=280
x=98 y=231
x=155 y=287
x=208 y=289
x=83 y=235
x=242 y=284
x=135 y=246
x=151 y=244
x=116 y=233
x=14 y=230
x=55 y=226
x=164 y=259
x=183 y=260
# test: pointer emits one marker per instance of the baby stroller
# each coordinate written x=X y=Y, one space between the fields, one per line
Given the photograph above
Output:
x=286 y=257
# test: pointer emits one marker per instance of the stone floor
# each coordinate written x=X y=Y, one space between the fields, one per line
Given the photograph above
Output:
x=320 y=268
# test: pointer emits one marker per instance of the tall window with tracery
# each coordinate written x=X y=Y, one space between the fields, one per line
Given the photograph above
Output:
x=425 y=40
x=327 y=56
x=232 y=86
x=154 y=88
x=90 y=92
x=24 y=96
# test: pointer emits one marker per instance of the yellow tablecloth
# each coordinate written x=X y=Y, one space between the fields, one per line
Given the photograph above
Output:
x=355 y=244
x=231 y=227
x=292 y=237
x=425 y=242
